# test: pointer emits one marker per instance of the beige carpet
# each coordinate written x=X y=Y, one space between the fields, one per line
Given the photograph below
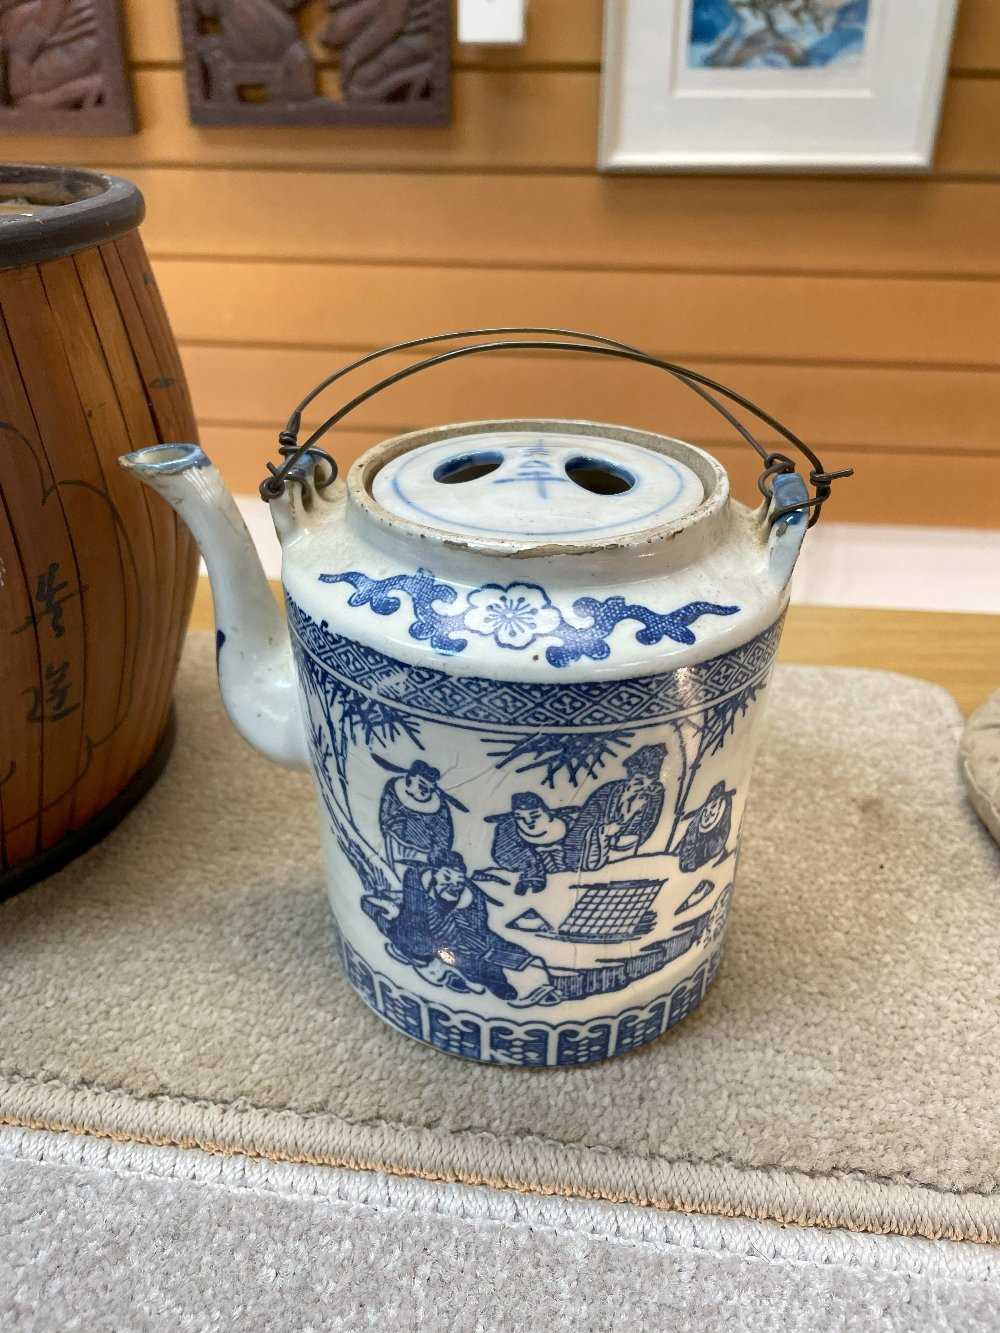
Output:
x=176 y=986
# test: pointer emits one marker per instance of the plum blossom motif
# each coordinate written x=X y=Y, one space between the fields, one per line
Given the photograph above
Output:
x=514 y=615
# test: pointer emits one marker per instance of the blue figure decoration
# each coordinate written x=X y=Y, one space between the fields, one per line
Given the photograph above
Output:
x=438 y=920
x=619 y=816
x=441 y=927
x=708 y=831
x=413 y=816
x=530 y=840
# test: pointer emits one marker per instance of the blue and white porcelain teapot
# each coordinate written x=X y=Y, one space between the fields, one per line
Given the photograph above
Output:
x=525 y=662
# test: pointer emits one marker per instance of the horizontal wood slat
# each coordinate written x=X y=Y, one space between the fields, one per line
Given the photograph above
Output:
x=496 y=126
x=934 y=410
x=565 y=32
x=677 y=315
x=889 y=486
x=977 y=36
x=860 y=226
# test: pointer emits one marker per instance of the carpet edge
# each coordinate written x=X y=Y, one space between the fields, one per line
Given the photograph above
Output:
x=850 y=1202
x=305 y=1185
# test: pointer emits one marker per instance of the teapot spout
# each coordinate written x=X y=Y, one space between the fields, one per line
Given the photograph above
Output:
x=253 y=650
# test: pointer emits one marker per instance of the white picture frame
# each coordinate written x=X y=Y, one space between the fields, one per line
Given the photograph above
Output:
x=680 y=93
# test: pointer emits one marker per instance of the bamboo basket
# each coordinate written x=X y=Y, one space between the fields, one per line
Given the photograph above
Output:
x=97 y=574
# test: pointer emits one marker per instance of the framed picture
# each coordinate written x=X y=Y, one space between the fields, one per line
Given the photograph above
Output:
x=295 y=62
x=63 y=68
x=773 y=85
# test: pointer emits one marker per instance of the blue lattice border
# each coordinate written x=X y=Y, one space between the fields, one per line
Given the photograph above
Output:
x=433 y=693
x=529 y=1044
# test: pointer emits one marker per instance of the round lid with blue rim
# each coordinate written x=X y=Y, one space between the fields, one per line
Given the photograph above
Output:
x=548 y=484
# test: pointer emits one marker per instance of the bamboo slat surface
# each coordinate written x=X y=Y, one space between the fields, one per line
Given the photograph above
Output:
x=97 y=575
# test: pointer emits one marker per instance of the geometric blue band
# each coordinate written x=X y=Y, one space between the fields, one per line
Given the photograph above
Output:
x=429 y=692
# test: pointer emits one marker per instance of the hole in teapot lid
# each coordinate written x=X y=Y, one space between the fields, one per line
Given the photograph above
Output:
x=598 y=476
x=467 y=467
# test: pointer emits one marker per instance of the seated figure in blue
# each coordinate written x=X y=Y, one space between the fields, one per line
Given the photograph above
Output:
x=442 y=929
x=530 y=840
x=708 y=832
x=414 y=817
x=619 y=816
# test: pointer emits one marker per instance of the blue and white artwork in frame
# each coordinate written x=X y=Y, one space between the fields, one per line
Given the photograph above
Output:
x=779 y=85
x=776 y=34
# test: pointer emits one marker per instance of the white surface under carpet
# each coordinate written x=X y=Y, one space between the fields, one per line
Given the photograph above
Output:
x=102 y=1236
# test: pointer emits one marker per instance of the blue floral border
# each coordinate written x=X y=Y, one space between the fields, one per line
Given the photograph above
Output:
x=516 y=615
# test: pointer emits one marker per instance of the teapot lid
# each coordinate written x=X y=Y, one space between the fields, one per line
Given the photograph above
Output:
x=546 y=482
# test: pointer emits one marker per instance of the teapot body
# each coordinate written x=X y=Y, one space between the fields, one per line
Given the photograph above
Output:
x=532 y=745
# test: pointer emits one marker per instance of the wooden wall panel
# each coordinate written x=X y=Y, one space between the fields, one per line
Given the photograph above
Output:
x=863 y=309
x=564 y=32
x=240 y=452
x=580 y=222
x=977 y=35
x=677 y=315
x=937 y=411
x=565 y=101
x=477 y=138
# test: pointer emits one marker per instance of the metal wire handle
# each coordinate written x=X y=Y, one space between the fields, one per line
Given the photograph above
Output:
x=775 y=463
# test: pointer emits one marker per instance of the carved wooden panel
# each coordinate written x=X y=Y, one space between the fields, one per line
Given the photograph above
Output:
x=62 y=68
x=296 y=62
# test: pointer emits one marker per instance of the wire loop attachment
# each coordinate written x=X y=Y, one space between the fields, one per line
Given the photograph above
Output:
x=294 y=468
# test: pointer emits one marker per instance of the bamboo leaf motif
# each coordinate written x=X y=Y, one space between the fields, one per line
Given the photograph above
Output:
x=577 y=754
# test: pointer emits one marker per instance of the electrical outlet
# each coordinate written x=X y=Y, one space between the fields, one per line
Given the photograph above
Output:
x=491 y=22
